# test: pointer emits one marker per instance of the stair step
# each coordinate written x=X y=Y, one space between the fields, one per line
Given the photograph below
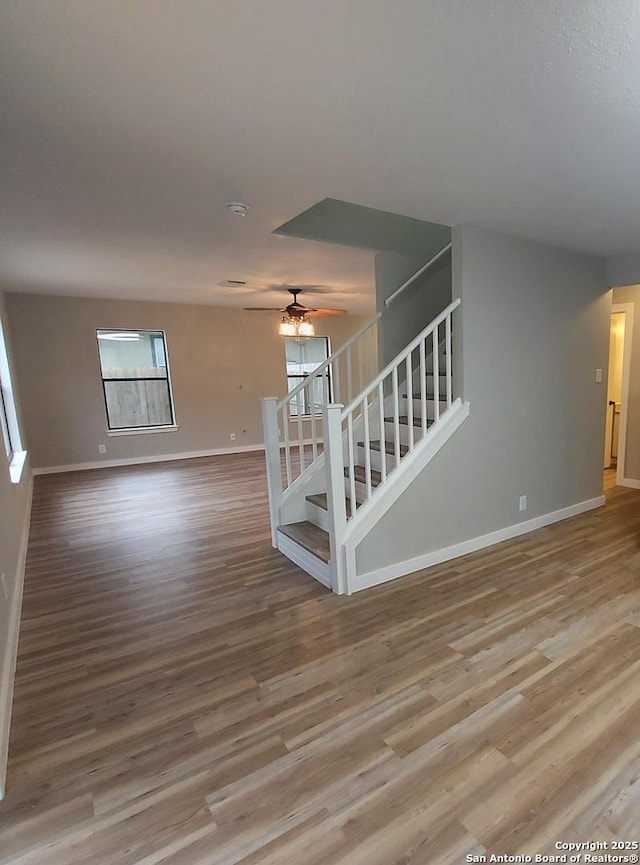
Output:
x=389 y=447
x=321 y=500
x=360 y=475
x=430 y=395
x=404 y=420
x=309 y=536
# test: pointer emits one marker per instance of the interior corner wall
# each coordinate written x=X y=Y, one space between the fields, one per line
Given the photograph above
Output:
x=418 y=305
x=631 y=468
x=623 y=270
x=15 y=504
x=222 y=360
x=535 y=322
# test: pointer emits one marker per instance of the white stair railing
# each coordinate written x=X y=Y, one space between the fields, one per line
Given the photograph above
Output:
x=405 y=380
x=294 y=427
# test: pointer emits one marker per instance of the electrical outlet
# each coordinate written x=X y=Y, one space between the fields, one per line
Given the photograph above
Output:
x=102 y=449
x=232 y=436
x=4 y=587
x=523 y=503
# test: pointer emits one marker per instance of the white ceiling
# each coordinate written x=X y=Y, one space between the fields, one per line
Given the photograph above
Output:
x=127 y=125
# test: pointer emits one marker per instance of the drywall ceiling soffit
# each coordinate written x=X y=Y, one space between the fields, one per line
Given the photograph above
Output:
x=347 y=224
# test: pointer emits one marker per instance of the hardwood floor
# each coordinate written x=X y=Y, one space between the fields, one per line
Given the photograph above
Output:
x=187 y=696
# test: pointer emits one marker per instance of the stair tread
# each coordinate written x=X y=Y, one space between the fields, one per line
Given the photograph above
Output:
x=321 y=500
x=404 y=419
x=430 y=395
x=361 y=476
x=389 y=447
x=311 y=537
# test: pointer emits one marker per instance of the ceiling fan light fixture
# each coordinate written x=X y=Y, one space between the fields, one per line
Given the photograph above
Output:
x=297 y=327
x=305 y=328
x=287 y=327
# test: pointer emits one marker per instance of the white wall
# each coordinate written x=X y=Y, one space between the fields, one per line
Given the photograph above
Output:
x=15 y=504
x=536 y=327
x=222 y=361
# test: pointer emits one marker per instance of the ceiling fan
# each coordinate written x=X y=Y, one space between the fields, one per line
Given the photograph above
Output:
x=295 y=320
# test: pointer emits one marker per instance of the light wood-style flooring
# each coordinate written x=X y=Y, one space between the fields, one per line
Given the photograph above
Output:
x=187 y=696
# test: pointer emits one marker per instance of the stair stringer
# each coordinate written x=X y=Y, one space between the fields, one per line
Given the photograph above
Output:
x=371 y=512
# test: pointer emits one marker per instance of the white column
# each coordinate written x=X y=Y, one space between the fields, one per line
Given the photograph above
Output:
x=334 y=475
x=272 y=456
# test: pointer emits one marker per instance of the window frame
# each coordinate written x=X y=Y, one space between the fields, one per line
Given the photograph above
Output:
x=144 y=428
x=15 y=453
x=305 y=415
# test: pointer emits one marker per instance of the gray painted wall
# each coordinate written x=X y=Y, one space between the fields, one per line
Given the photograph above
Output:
x=623 y=270
x=347 y=224
x=222 y=360
x=419 y=304
x=631 y=294
x=536 y=327
x=14 y=511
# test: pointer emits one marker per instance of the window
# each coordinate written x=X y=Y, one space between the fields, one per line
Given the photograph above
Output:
x=135 y=379
x=303 y=357
x=8 y=416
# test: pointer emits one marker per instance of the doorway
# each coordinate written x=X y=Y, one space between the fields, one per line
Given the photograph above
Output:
x=618 y=387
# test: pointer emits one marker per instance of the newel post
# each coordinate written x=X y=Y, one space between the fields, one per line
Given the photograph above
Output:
x=272 y=456
x=334 y=475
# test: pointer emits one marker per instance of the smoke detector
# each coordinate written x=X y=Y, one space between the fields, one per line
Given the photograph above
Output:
x=237 y=208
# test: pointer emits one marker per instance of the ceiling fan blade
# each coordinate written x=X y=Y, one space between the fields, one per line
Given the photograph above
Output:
x=263 y=309
x=327 y=311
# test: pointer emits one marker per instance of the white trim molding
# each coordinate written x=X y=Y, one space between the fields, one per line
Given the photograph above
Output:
x=632 y=483
x=436 y=557
x=157 y=458
x=627 y=309
x=8 y=670
x=300 y=556
x=141 y=431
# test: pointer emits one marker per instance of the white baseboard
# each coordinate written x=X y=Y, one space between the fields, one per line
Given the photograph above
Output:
x=8 y=670
x=629 y=482
x=134 y=461
x=410 y=566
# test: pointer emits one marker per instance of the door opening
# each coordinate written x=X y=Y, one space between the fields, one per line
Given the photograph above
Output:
x=618 y=387
x=614 y=390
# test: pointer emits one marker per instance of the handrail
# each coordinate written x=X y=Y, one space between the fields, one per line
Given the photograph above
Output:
x=418 y=273
x=395 y=363
x=326 y=363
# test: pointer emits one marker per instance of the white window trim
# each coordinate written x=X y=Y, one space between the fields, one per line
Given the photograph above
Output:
x=294 y=417
x=124 y=431
x=18 y=456
x=141 y=430
x=16 y=466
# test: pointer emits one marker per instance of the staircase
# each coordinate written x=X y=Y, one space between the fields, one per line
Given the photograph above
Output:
x=328 y=490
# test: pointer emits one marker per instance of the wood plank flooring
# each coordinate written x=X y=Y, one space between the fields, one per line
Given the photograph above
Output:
x=187 y=696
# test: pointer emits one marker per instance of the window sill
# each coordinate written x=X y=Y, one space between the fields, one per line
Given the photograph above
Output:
x=137 y=431
x=17 y=465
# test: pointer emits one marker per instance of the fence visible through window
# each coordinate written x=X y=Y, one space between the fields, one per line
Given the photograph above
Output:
x=135 y=378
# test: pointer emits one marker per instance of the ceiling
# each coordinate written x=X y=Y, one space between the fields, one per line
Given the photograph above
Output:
x=128 y=124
